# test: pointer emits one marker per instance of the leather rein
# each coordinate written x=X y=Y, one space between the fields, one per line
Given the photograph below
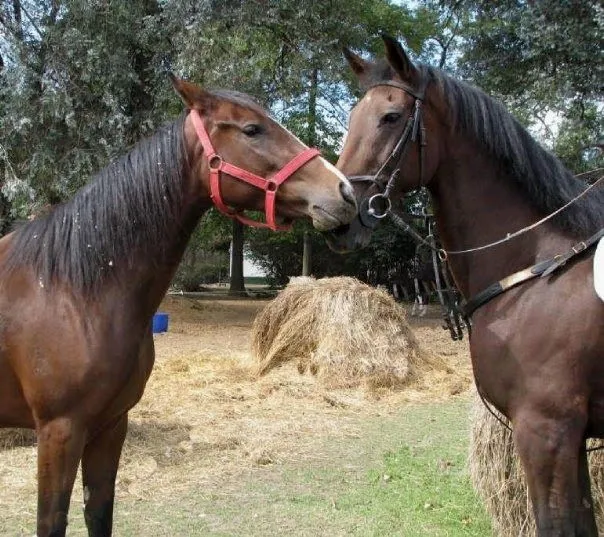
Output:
x=376 y=207
x=270 y=185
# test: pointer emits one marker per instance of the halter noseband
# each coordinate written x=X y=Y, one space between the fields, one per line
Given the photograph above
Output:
x=370 y=211
x=269 y=185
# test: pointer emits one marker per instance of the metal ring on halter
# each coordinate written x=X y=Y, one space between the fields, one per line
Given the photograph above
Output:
x=215 y=162
x=373 y=211
x=442 y=254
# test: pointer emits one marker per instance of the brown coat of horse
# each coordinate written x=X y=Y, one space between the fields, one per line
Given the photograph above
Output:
x=538 y=349
x=79 y=286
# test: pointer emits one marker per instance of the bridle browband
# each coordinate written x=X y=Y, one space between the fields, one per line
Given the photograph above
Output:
x=376 y=207
x=270 y=185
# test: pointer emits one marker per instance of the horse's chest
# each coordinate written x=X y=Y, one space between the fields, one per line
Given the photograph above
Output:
x=132 y=384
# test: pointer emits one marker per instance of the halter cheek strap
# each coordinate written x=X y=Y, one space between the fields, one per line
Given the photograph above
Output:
x=270 y=185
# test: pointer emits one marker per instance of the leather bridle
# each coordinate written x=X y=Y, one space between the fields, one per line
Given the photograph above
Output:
x=374 y=208
x=270 y=185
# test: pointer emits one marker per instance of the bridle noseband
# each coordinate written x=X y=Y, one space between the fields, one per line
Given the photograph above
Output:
x=376 y=207
x=270 y=185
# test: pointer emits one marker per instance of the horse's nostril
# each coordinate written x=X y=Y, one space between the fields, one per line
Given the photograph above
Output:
x=347 y=193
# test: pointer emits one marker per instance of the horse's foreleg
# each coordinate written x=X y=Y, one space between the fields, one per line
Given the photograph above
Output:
x=550 y=453
x=60 y=444
x=425 y=298
x=99 y=469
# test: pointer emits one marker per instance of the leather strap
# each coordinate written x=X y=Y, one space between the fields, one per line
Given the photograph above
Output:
x=543 y=269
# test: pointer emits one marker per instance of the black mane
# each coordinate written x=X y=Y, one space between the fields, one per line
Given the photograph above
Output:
x=128 y=209
x=538 y=173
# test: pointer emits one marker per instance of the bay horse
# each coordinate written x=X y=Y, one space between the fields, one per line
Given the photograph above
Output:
x=537 y=336
x=79 y=286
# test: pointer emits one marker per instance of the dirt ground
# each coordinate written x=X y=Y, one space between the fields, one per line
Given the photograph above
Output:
x=205 y=419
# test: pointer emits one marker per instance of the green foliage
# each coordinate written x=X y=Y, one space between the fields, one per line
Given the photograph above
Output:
x=207 y=267
x=81 y=81
x=80 y=90
x=206 y=259
x=543 y=60
x=280 y=255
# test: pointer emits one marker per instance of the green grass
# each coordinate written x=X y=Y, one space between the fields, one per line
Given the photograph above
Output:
x=403 y=474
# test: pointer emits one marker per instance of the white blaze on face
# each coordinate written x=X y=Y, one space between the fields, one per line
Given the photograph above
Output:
x=329 y=166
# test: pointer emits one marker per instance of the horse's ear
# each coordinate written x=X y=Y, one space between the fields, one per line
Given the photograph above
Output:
x=358 y=65
x=192 y=95
x=399 y=60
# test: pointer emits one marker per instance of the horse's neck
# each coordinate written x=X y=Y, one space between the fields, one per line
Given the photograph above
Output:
x=154 y=274
x=476 y=203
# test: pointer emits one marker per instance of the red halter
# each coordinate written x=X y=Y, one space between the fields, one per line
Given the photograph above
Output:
x=269 y=185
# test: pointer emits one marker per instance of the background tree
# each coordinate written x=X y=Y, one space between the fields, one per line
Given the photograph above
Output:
x=81 y=81
x=544 y=59
x=83 y=77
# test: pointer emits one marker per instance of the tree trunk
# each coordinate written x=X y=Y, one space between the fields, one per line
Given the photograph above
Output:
x=5 y=217
x=307 y=255
x=311 y=136
x=237 y=286
x=311 y=140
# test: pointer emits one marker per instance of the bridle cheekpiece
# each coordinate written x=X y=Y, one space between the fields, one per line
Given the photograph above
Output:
x=378 y=206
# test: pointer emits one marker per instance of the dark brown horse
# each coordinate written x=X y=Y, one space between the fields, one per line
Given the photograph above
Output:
x=538 y=348
x=79 y=286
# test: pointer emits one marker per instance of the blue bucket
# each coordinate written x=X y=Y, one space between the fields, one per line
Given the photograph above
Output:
x=160 y=322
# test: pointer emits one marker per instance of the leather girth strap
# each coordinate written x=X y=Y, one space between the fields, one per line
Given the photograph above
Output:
x=543 y=269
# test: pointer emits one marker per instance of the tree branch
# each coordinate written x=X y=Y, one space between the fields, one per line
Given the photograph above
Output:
x=32 y=21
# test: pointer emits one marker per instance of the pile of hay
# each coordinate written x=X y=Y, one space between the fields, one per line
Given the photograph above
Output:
x=342 y=330
x=499 y=480
x=13 y=438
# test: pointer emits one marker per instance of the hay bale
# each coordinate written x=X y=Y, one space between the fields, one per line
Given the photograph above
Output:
x=499 y=480
x=342 y=330
x=11 y=438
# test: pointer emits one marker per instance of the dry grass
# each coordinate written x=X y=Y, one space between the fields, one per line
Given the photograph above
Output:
x=499 y=480
x=205 y=419
x=13 y=438
x=342 y=330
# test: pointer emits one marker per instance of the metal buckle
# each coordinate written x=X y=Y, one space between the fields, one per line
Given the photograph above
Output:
x=579 y=247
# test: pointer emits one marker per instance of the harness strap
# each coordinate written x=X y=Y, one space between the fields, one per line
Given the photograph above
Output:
x=560 y=260
x=543 y=269
x=413 y=132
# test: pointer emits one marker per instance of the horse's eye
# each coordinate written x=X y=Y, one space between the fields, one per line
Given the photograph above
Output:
x=252 y=130
x=390 y=118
